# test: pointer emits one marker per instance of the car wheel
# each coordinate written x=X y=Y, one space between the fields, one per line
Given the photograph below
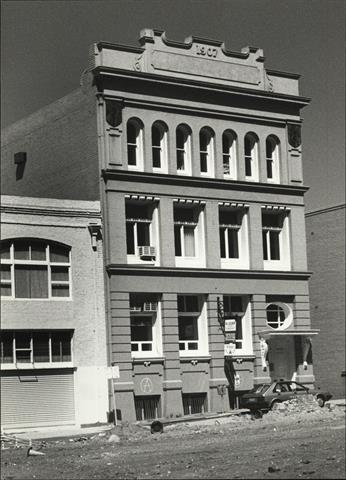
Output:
x=274 y=404
x=256 y=414
x=320 y=401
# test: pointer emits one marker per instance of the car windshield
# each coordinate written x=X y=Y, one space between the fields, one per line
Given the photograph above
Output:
x=263 y=387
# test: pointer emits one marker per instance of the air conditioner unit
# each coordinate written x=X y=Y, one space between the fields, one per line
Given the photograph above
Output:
x=146 y=252
x=150 y=307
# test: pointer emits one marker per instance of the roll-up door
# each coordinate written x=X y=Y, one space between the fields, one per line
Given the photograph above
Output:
x=37 y=397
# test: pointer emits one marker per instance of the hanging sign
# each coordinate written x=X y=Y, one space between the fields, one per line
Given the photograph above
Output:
x=230 y=348
x=230 y=325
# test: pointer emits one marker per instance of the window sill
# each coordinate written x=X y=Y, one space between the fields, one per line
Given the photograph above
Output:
x=242 y=356
x=36 y=366
x=195 y=262
x=238 y=264
x=134 y=260
x=51 y=299
x=151 y=359
x=199 y=357
x=275 y=265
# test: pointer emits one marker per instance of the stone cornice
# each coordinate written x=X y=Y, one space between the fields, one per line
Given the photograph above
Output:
x=146 y=177
x=138 y=270
x=110 y=71
x=202 y=110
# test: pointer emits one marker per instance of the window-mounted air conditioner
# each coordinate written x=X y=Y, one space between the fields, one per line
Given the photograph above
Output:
x=150 y=307
x=146 y=252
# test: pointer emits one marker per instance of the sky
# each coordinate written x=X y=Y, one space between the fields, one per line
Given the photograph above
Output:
x=45 y=44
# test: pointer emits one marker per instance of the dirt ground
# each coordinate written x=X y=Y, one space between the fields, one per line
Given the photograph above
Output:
x=306 y=445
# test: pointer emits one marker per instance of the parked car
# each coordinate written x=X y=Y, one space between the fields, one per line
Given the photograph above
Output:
x=265 y=395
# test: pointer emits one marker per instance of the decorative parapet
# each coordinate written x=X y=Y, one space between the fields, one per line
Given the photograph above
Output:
x=196 y=59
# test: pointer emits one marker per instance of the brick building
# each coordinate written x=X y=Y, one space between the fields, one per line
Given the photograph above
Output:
x=194 y=152
x=53 y=337
x=326 y=258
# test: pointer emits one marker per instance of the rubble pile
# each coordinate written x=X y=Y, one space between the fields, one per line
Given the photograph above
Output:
x=299 y=404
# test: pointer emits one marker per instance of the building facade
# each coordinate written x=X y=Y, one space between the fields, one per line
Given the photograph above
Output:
x=53 y=336
x=325 y=230
x=194 y=152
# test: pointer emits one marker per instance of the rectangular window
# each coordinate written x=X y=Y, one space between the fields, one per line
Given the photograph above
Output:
x=41 y=346
x=141 y=334
x=6 y=285
x=145 y=324
x=23 y=347
x=185 y=225
x=35 y=346
x=32 y=269
x=139 y=230
x=147 y=407
x=190 y=321
x=230 y=223
x=234 y=310
x=6 y=344
x=31 y=281
x=194 y=403
x=272 y=225
x=188 y=333
x=238 y=325
x=61 y=347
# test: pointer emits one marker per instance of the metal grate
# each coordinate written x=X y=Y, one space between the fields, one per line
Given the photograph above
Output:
x=147 y=408
x=194 y=403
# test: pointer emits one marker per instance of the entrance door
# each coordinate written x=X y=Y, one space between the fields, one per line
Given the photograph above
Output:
x=281 y=357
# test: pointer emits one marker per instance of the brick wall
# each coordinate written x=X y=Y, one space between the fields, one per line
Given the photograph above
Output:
x=60 y=142
x=326 y=258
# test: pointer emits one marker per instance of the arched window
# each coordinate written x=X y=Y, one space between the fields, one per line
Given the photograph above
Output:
x=251 y=156
x=183 y=146
x=159 y=146
x=206 y=148
x=229 y=154
x=273 y=159
x=135 y=144
x=33 y=268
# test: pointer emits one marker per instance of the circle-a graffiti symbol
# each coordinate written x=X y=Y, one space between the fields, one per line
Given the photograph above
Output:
x=146 y=385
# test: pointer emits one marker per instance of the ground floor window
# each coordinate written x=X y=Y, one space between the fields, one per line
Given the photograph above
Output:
x=147 y=408
x=18 y=347
x=194 y=403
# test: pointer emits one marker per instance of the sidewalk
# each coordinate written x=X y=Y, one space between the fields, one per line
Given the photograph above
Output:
x=58 y=432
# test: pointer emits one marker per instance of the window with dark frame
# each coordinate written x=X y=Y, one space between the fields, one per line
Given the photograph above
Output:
x=185 y=226
x=272 y=224
x=234 y=309
x=189 y=310
x=229 y=226
x=35 y=346
x=34 y=269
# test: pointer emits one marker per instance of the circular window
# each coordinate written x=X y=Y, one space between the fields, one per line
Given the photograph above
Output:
x=279 y=316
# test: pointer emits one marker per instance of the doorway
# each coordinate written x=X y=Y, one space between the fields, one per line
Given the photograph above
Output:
x=281 y=356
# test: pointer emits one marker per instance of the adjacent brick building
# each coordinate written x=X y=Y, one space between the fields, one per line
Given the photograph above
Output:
x=194 y=152
x=326 y=258
x=53 y=335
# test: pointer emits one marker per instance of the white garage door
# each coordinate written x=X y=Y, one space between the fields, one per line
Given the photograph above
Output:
x=34 y=398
